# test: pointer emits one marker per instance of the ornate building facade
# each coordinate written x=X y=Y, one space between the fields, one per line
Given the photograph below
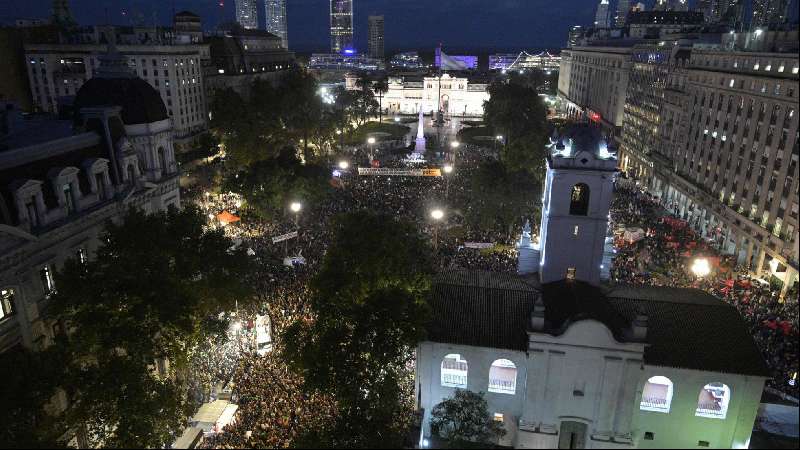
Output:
x=62 y=181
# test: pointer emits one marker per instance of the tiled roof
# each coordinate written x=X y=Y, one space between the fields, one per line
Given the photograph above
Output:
x=691 y=329
x=482 y=309
x=687 y=328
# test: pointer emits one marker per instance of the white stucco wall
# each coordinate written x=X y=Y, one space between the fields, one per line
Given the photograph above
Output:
x=586 y=376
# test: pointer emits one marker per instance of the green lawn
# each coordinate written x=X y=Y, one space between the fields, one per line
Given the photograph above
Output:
x=469 y=134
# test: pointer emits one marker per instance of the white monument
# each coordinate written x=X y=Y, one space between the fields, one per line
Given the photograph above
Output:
x=419 y=144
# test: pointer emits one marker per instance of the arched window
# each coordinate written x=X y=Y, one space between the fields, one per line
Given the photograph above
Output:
x=454 y=371
x=713 y=401
x=657 y=394
x=503 y=377
x=579 y=200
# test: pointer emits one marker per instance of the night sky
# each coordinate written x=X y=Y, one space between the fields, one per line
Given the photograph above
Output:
x=410 y=24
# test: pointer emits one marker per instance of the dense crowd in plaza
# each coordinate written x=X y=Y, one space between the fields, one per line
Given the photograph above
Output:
x=259 y=379
x=664 y=257
x=269 y=397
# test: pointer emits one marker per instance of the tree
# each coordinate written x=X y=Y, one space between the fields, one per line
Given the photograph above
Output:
x=153 y=292
x=269 y=185
x=250 y=131
x=500 y=198
x=369 y=305
x=464 y=421
x=301 y=106
x=380 y=87
x=517 y=112
x=30 y=381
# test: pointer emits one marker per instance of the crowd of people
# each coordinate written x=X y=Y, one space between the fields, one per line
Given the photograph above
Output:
x=270 y=398
x=665 y=256
x=258 y=378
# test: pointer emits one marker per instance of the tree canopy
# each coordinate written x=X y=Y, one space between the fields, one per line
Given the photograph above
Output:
x=370 y=306
x=464 y=421
x=502 y=197
x=154 y=290
x=258 y=128
x=268 y=186
x=515 y=111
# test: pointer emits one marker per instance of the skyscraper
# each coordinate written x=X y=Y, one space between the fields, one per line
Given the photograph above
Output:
x=602 y=19
x=769 y=12
x=342 y=26
x=623 y=8
x=376 y=43
x=661 y=5
x=275 y=15
x=722 y=11
x=246 y=13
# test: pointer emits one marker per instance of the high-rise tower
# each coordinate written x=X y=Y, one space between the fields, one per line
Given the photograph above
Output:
x=246 y=14
x=342 y=26
x=376 y=40
x=623 y=8
x=275 y=15
x=602 y=18
x=577 y=196
x=769 y=12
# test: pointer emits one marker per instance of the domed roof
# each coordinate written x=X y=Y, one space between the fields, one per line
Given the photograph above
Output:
x=115 y=84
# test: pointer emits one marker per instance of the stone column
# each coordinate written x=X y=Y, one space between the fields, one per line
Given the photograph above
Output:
x=761 y=256
x=749 y=257
x=786 y=279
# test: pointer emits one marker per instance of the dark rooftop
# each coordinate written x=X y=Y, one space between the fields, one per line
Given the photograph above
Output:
x=33 y=130
x=482 y=309
x=687 y=328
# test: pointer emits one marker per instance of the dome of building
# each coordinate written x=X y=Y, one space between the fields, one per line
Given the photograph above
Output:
x=115 y=84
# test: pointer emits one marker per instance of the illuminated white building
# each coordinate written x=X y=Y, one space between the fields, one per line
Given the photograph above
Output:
x=566 y=363
x=458 y=96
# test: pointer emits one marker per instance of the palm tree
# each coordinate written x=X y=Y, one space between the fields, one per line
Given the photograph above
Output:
x=380 y=87
x=363 y=82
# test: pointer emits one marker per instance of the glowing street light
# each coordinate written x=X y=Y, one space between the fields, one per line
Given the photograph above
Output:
x=437 y=215
x=455 y=144
x=343 y=165
x=447 y=168
x=371 y=142
x=397 y=119
x=296 y=207
x=499 y=137
x=701 y=268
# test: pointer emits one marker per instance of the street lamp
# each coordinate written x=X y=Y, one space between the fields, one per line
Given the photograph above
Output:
x=296 y=207
x=341 y=144
x=447 y=169
x=370 y=143
x=700 y=268
x=455 y=144
x=437 y=215
x=498 y=138
x=343 y=165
